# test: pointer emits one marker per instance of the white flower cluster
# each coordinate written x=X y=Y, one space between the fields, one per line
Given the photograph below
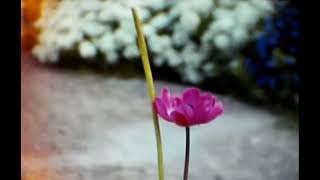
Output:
x=181 y=34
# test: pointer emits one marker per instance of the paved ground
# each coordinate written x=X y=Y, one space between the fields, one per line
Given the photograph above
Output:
x=85 y=126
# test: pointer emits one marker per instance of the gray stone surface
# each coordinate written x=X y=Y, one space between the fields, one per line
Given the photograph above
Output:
x=86 y=126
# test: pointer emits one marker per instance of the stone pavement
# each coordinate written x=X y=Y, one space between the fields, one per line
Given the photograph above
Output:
x=86 y=126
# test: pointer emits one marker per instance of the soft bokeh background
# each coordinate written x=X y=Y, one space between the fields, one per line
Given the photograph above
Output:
x=85 y=107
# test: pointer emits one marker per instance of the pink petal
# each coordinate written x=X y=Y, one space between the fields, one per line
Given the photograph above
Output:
x=207 y=99
x=179 y=119
x=187 y=111
x=176 y=102
x=161 y=108
x=190 y=108
x=165 y=96
x=201 y=111
x=216 y=111
x=199 y=116
x=191 y=96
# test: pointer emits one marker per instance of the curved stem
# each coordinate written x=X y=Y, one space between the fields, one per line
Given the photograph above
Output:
x=159 y=145
x=152 y=93
x=186 y=160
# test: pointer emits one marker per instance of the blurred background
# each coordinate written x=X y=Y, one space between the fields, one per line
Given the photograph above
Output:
x=85 y=109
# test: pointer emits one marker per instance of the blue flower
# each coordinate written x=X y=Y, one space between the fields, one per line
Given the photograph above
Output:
x=267 y=81
x=274 y=39
x=272 y=83
x=281 y=33
x=261 y=80
x=272 y=63
x=268 y=24
x=294 y=34
x=280 y=24
x=261 y=47
x=291 y=12
x=289 y=60
x=251 y=67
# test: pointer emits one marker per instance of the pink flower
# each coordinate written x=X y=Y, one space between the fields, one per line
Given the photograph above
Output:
x=190 y=108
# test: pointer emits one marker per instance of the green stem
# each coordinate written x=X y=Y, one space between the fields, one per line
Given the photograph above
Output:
x=186 y=160
x=159 y=145
x=152 y=93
